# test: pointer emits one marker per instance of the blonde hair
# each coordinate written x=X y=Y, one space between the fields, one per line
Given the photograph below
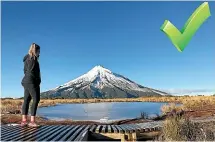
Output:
x=33 y=49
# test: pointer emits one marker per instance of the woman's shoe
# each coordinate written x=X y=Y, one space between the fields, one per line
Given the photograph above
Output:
x=33 y=124
x=24 y=123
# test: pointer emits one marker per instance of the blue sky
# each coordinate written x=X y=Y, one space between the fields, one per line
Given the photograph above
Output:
x=124 y=37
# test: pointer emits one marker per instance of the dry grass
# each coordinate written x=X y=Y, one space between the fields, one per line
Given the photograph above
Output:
x=183 y=129
x=170 y=130
x=199 y=103
x=170 y=107
x=9 y=105
x=180 y=128
x=189 y=103
x=15 y=105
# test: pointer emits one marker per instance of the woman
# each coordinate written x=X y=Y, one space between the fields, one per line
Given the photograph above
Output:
x=31 y=83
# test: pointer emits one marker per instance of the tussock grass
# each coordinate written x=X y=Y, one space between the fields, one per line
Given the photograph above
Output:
x=15 y=105
x=188 y=102
x=171 y=107
x=194 y=103
x=199 y=103
x=9 y=105
x=183 y=129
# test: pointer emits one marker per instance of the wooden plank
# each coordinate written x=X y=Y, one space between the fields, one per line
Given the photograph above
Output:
x=145 y=126
x=11 y=134
x=69 y=133
x=93 y=128
x=48 y=133
x=5 y=130
x=150 y=126
x=132 y=129
x=39 y=133
x=83 y=135
x=152 y=129
x=38 y=130
x=98 y=129
x=66 y=130
x=23 y=134
x=141 y=126
x=13 y=128
x=71 y=138
x=5 y=127
x=159 y=128
x=146 y=129
x=136 y=127
x=104 y=128
x=109 y=129
x=119 y=129
x=54 y=134
x=124 y=128
x=114 y=129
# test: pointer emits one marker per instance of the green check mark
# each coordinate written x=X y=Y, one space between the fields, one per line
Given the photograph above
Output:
x=181 y=38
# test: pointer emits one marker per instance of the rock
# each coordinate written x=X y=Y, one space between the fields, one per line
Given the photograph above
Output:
x=13 y=124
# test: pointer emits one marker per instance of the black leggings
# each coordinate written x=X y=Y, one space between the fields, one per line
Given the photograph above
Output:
x=31 y=91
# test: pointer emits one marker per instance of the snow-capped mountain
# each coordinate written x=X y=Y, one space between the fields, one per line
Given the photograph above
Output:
x=100 y=82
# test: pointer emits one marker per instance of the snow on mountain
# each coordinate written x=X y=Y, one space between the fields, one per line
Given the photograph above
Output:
x=100 y=82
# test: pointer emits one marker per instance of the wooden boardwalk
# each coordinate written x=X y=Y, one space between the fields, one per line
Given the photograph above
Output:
x=76 y=132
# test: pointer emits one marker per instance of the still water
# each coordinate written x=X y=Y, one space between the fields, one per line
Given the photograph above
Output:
x=96 y=111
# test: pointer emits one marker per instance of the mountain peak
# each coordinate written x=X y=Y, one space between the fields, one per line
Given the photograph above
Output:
x=99 y=70
x=99 y=66
x=100 y=82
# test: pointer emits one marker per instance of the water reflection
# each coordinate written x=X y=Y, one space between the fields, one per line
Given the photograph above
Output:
x=96 y=111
